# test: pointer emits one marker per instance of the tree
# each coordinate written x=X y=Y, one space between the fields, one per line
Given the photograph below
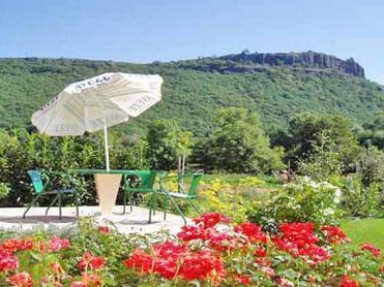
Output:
x=308 y=134
x=238 y=144
x=168 y=145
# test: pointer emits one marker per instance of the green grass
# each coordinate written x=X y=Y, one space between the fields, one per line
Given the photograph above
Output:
x=367 y=230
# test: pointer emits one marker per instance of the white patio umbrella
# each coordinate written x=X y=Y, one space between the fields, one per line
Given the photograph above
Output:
x=97 y=103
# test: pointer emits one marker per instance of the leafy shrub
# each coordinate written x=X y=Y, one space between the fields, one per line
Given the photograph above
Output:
x=370 y=166
x=228 y=198
x=4 y=190
x=301 y=201
x=359 y=200
x=321 y=166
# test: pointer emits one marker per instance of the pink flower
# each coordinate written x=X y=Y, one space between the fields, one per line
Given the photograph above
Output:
x=57 y=243
x=104 y=229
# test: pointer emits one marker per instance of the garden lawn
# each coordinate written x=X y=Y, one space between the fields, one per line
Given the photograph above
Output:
x=367 y=230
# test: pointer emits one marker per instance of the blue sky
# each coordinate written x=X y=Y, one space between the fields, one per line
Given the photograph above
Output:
x=144 y=31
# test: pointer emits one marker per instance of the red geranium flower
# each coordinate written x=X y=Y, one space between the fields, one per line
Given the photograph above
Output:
x=13 y=245
x=198 y=265
x=252 y=231
x=211 y=219
x=190 y=232
x=348 y=282
x=8 y=261
x=334 y=234
x=21 y=280
x=89 y=260
x=140 y=261
x=371 y=248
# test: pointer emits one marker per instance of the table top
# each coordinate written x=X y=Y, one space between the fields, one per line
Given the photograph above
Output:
x=104 y=171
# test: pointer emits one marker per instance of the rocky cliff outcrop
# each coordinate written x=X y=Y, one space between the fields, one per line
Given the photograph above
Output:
x=299 y=60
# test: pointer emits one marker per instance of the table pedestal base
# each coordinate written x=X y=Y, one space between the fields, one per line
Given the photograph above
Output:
x=107 y=186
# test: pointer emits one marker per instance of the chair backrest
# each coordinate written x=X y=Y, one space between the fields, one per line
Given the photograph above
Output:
x=147 y=178
x=37 y=181
x=196 y=177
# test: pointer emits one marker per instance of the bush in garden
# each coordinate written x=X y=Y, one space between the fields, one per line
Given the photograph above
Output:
x=301 y=201
x=4 y=190
x=21 y=151
x=229 y=199
x=360 y=200
x=211 y=252
x=370 y=166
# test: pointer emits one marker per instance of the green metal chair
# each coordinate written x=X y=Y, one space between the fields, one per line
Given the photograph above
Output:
x=189 y=194
x=40 y=181
x=137 y=183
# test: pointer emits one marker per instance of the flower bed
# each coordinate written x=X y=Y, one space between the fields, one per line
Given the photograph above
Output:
x=211 y=252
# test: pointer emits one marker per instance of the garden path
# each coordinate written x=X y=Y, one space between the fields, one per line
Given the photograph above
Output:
x=132 y=222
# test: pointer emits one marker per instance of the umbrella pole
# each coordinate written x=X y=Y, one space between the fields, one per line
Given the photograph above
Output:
x=106 y=147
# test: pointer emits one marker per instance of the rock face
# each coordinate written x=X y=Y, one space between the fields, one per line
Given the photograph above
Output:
x=305 y=60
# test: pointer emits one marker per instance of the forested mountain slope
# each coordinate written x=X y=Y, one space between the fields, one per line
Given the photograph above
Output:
x=274 y=85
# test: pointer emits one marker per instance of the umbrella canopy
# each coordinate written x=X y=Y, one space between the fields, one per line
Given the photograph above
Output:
x=97 y=103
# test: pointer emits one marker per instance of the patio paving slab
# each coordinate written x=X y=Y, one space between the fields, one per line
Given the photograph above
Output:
x=131 y=222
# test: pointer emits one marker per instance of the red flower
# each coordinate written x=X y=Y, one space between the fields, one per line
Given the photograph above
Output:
x=166 y=267
x=171 y=259
x=104 y=229
x=89 y=260
x=21 y=280
x=221 y=241
x=348 y=282
x=334 y=234
x=190 y=232
x=260 y=252
x=198 y=265
x=140 y=261
x=252 y=231
x=211 y=219
x=300 y=241
x=242 y=279
x=8 y=261
x=371 y=248
x=13 y=245
x=314 y=253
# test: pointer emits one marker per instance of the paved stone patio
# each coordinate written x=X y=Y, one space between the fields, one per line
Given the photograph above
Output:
x=132 y=222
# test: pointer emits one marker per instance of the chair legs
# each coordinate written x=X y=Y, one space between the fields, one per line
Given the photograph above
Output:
x=128 y=197
x=30 y=205
x=57 y=198
x=170 y=198
x=176 y=206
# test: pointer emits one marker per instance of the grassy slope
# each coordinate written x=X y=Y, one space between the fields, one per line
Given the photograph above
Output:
x=191 y=96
